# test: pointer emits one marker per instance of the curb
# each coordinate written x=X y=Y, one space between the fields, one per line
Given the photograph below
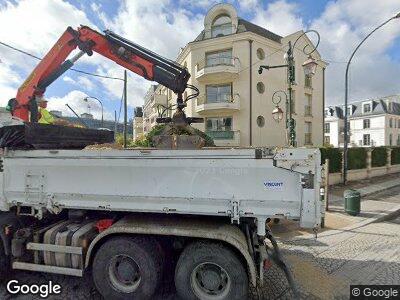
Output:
x=364 y=194
x=388 y=215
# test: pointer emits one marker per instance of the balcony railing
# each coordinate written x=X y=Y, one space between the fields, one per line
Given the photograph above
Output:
x=221 y=135
x=220 y=98
x=308 y=139
x=218 y=69
x=308 y=111
x=217 y=61
x=221 y=103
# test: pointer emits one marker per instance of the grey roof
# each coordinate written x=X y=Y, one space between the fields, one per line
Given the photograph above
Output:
x=244 y=26
x=379 y=106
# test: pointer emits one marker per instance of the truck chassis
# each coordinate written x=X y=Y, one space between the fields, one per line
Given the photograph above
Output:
x=122 y=214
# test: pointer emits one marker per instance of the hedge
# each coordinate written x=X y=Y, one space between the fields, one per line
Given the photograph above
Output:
x=395 y=156
x=357 y=158
x=379 y=157
x=335 y=158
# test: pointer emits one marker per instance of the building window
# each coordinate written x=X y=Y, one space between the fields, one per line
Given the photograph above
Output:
x=260 y=121
x=260 y=54
x=218 y=58
x=260 y=87
x=366 y=108
x=308 y=133
x=390 y=140
x=398 y=140
x=327 y=140
x=308 y=81
x=221 y=26
x=366 y=140
x=398 y=123
x=390 y=122
x=219 y=93
x=327 y=127
x=366 y=123
x=219 y=128
x=308 y=106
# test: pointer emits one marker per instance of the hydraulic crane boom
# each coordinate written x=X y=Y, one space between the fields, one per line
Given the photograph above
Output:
x=116 y=48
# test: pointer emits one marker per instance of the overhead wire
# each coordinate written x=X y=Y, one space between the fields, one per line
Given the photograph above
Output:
x=72 y=69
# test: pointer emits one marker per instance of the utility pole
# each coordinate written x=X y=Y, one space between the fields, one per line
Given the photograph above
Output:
x=346 y=97
x=115 y=124
x=125 y=107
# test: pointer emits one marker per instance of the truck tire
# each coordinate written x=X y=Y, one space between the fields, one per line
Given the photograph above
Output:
x=127 y=268
x=210 y=271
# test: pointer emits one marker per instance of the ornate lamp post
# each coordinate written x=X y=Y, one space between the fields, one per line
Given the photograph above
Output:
x=277 y=112
x=346 y=97
x=86 y=99
x=309 y=67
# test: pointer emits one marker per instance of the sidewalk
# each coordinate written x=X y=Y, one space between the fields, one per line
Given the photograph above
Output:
x=336 y=218
x=371 y=210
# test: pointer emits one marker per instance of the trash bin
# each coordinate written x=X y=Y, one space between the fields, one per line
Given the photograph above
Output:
x=352 y=200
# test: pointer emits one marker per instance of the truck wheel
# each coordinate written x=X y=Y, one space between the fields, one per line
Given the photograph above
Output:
x=127 y=268
x=210 y=271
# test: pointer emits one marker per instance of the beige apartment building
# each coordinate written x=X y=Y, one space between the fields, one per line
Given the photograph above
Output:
x=235 y=100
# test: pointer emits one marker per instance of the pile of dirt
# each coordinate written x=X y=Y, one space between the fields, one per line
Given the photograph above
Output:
x=107 y=146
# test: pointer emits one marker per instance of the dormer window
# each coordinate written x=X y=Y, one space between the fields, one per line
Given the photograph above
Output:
x=366 y=108
x=222 y=25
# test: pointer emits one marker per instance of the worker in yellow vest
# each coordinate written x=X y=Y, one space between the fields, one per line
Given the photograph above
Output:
x=45 y=117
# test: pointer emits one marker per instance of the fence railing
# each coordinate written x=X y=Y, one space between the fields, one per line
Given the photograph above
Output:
x=362 y=162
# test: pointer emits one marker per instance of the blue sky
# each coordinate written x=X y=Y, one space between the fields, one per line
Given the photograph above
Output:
x=157 y=24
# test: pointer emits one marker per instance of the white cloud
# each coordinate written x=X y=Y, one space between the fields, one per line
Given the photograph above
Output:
x=172 y=28
x=9 y=81
x=280 y=17
x=342 y=26
x=75 y=100
x=69 y=80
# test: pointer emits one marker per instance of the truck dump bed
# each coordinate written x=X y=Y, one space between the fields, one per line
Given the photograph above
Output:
x=235 y=183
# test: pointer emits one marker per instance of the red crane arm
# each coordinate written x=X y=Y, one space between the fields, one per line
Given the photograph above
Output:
x=125 y=53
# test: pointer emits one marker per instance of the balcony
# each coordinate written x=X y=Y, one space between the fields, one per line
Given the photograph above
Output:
x=307 y=139
x=308 y=111
x=223 y=103
x=218 y=69
x=159 y=100
x=225 y=138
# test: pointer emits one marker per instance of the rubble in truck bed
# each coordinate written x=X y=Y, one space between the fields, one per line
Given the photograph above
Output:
x=43 y=136
x=165 y=136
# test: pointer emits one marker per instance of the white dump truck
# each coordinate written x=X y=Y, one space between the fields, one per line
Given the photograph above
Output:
x=123 y=213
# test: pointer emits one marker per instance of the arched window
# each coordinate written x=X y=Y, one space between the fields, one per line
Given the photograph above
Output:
x=222 y=25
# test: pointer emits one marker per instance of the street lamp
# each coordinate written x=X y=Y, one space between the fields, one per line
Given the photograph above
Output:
x=86 y=99
x=277 y=112
x=346 y=97
x=309 y=67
